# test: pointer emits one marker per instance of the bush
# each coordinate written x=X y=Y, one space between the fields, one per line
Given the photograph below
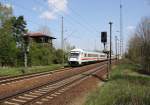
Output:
x=126 y=87
x=139 y=45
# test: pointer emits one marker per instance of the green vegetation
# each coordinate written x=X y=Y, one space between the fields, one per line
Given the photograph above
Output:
x=16 y=49
x=139 y=46
x=30 y=70
x=126 y=87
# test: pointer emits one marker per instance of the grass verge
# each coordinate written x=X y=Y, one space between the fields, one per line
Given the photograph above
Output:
x=126 y=87
x=29 y=70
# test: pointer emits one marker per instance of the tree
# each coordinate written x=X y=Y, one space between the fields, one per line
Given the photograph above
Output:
x=139 y=45
x=40 y=54
x=19 y=30
x=58 y=56
x=7 y=45
x=5 y=13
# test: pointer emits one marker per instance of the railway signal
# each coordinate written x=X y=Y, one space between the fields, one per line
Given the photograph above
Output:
x=104 y=39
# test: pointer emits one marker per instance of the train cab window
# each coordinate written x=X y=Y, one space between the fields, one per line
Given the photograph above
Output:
x=102 y=55
x=74 y=55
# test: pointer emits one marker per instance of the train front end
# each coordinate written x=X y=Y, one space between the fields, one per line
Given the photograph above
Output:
x=74 y=57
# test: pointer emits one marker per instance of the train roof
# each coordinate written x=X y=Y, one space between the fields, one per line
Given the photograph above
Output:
x=81 y=50
x=77 y=50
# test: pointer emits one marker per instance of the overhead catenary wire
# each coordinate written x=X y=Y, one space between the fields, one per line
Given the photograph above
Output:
x=86 y=27
x=70 y=19
x=92 y=26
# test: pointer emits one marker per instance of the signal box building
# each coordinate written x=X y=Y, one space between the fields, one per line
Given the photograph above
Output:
x=40 y=38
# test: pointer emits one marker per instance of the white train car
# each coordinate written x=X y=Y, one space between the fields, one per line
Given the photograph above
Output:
x=79 y=56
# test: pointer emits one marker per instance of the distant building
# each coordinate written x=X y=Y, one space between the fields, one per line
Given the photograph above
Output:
x=40 y=38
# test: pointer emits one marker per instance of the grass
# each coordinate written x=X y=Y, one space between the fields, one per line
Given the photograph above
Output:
x=35 y=69
x=126 y=87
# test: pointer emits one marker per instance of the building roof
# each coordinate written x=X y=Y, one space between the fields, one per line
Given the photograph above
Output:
x=38 y=34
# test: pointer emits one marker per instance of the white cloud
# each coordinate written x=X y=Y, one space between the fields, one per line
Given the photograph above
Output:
x=58 y=5
x=54 y=7
x=37 y=9
x=48 y=15
x=130 y=28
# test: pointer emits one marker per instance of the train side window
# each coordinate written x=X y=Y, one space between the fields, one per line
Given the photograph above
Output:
x=102 y=55
x=89 y=55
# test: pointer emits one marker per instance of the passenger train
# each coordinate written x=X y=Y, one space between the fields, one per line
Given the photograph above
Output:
x=79 y=56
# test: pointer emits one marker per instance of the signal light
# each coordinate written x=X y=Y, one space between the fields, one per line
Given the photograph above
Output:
x=103 y=37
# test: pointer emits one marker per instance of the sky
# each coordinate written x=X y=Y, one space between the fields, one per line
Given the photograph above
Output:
x=84 y=20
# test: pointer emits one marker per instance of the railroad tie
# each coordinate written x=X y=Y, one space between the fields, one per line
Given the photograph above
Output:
x=39 y=92
x=62 y=90
x=10 y=103
x=54 y=95
x=57 y=93
x=44 y=99
x=49 y=97
x=26 y=98
x=32 y=93
x=39 y=102
x=28 y=95
x=18 y=100
x=43 y=90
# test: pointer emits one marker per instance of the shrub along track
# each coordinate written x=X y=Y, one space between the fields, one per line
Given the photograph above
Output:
x=21 y=85
x=43 y=93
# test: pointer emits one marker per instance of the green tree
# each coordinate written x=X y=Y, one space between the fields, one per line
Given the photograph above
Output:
x=40 y=54
x=58 y=56
x=7 y=45
x=139 y=45
x=5 y=13
x=19 y=31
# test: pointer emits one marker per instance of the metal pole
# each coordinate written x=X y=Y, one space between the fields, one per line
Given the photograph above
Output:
x=110 y=49
x=116 y=47
x=62 y=40
x=121 y=31
x=110 y=41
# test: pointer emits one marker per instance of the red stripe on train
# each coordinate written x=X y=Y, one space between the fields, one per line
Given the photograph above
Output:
x=89 y=58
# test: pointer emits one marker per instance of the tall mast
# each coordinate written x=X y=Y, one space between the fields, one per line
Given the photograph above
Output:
x=121 y=30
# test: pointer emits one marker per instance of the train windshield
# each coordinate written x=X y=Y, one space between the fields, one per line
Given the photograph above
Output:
x=74 y=55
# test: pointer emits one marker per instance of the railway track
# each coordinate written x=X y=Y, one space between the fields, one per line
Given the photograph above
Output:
x=11 y=79
x=4 y=77
x=18 y=86
x=8 y=79
x=48 y=91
